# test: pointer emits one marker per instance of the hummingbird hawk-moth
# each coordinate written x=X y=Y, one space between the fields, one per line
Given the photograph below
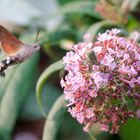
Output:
x=14 y=49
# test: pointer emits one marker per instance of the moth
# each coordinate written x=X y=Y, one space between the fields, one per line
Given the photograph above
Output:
x=15 y=50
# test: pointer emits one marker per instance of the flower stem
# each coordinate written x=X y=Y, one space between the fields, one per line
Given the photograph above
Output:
x=91 y=136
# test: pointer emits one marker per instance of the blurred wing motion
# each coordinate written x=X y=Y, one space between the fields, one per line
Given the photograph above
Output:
x=8 y=42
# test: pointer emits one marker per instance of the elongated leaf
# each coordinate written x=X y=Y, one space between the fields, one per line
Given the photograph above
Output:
x=131 y=130
x=42 y=79
x=16 y=88
x=93 y=29
x=31 y=110
x=82 y=7
x=54 y=119
x=4 y=81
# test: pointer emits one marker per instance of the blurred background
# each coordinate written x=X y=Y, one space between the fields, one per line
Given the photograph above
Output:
x=33 y=87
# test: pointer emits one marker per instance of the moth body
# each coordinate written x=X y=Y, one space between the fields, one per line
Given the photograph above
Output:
x=25 y=52
x=15 y=50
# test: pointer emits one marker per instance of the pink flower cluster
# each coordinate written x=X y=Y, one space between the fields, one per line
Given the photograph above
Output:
x=103 y=81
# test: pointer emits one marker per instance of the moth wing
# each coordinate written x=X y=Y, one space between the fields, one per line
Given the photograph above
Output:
x=9 y=43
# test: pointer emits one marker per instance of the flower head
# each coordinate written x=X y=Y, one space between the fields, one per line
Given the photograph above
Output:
x=103 y=77
x=116 y=11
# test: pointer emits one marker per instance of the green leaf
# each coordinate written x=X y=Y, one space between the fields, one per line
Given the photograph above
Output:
x=4 y=81
x=131 y=130
x=93 y=29
x=31 y=109
x=132 y=25
x=81 y=7
x=42 y=79
x=54 y=119
x=17 y=83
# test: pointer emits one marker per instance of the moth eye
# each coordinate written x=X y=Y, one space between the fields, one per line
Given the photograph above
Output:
x=35 y=46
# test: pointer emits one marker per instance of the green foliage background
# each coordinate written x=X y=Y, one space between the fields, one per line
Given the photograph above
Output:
x=32 y=90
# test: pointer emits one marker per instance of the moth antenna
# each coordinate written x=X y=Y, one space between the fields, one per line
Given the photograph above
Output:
x=37 y=35
x=41 y=40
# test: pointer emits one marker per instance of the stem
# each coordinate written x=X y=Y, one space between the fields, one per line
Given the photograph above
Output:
x=91 y=136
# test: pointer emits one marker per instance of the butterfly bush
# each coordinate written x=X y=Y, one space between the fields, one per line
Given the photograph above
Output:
x=116 y=11
x=103 y=81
